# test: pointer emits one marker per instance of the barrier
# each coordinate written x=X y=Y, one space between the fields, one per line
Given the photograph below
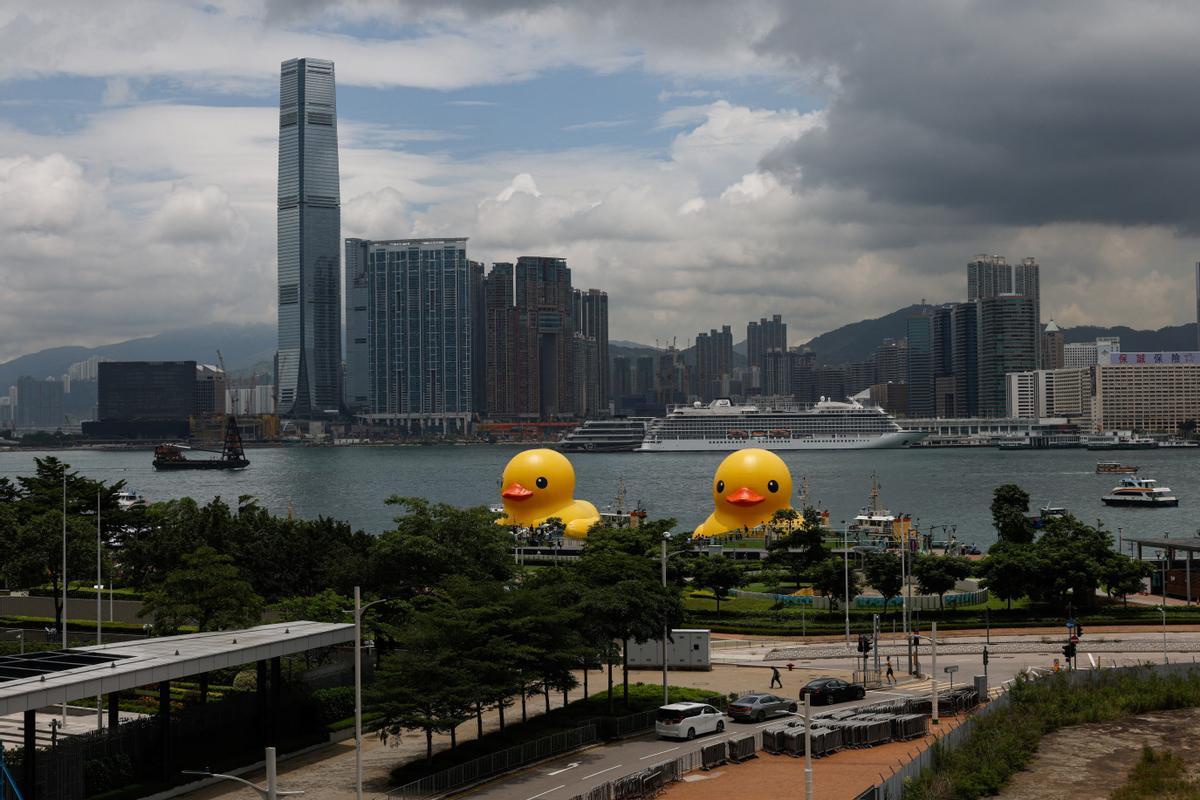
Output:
x=773 y=739
x=742 y=748
x=712 y=755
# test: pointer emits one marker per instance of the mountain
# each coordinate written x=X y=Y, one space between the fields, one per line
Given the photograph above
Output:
x=242 y=345
x=858 y=340
x=1172 y=337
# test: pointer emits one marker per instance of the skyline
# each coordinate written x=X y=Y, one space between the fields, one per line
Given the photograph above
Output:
x=731 y=167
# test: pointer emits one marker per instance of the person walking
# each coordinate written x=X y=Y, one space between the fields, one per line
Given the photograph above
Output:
x=891 y=676
x=775 y=678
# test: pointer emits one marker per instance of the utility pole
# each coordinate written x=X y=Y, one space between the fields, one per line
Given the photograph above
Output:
x=933 y=687
x=64 y=577
x=666 y=690
x=808 y=774
x=99 y=609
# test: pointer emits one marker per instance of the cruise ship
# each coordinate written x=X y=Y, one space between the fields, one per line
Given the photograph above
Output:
x=826 y=425
x=605 y=436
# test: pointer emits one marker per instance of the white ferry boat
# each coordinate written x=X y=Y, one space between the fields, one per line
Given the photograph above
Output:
x=826 y=425
x=1140 y=492
x=605 y=436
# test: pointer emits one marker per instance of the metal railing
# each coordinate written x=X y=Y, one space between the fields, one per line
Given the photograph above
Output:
x=484 y=767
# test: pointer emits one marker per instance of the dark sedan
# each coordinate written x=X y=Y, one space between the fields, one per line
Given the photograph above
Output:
x=757 y=707
x=825 y=691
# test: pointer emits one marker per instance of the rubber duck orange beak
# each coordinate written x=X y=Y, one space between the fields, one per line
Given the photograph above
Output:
x=515 y=491
x=744 y=497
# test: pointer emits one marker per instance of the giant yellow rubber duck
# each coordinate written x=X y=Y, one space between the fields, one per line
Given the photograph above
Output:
x=749 y=487
x=540 y=484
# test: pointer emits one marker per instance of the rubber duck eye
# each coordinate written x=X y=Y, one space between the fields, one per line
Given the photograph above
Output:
x=772 y=486
x=542 y=483
x=720 y=486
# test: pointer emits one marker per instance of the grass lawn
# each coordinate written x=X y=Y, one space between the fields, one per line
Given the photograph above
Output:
x=704 y=601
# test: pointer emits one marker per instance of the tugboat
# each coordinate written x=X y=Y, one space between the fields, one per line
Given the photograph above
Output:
x=171 y=456
x=1141 y=492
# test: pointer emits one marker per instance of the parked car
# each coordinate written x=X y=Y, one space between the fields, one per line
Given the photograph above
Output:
x=757 y=707
x=825 y=691
x=688 y=720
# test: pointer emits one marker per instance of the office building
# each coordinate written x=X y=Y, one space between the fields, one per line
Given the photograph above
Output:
x=358 y=369
x=1146 y=396
x=891 y=361
x=988 y=276
x=1021 y=394
x=1046 y=393
x=39 y=404
x=1053 y=342
x=804 y=375
x=919 y=330
x=622 y=379
x=251 y=400
x=831 y=382
x=308 y=361
x=644 y=377
x=714 y=363
x=891 y=397
x=150 y=399
x=763 y=337
x=860 y=375
x=419 y=335
x=1088 y=354
x=1008 y=337
x=209 y=391
x=589 y=321
x=964 y=323
x=1027 y=282
x=1198 y=304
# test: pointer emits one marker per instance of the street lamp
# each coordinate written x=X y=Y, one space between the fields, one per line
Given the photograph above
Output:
x=1163 y=610
x=665 y=537
x=358 y=612
x=270 y=791
x=846 y=576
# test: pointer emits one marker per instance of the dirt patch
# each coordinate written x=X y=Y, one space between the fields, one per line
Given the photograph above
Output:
x=1089 y=761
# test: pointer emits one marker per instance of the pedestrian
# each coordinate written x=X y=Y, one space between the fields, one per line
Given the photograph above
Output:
x=891 y=676
x=775 y=678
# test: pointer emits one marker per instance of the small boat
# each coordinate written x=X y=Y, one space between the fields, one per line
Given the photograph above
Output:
x=1115 y=467
x=171 y=456
x=127 y=499
x=1139 y=492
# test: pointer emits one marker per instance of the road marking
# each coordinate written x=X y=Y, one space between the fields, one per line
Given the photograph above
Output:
x=572 y=765
x=652 y=755
x=548 y=791
x=601 y=772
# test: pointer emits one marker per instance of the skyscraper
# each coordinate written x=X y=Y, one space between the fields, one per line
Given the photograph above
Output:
x=419 y=318
x=357 y=373
x=478 y=337
x=1008 y=342
x=1053 y=346
x=501 y=341
x=1198 y=304
x=964 y=321
x=589 y=320
x=988 y=276
x=1027 y=283
x=919 y=328
x=714 y=362
x=308 y=361
x=763 y=337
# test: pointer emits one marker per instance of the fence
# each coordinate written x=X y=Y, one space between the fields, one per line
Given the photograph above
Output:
x=918 y=602
x=503 y=761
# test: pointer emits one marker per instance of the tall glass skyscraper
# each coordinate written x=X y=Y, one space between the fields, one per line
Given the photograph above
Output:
x=308 y=362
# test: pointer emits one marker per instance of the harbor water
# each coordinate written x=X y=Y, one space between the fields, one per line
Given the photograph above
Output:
x=938 y=487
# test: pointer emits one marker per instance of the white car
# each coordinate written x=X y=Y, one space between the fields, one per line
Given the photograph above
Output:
x=688 y=720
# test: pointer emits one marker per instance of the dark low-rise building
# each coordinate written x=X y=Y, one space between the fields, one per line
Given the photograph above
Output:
x=144 y=400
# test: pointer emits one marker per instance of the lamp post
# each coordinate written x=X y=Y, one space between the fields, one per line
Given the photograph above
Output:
x=271 y=791
x=666 y=692
x=64 y=576
x=808 y=775
x=846 y=577
x=1163 y=610
x=99 y=607
x=358 y=612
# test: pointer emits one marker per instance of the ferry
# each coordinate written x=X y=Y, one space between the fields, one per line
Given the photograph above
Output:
x=826 y=425
x=1140 y=492
x=605 y=436
x=1115 y=468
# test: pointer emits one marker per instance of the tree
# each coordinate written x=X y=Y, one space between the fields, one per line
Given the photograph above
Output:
x=719 y=574
x=208 y=591
x=1187 y=428
x=801 y=548
x=1071 y=561
x=938 y=574
x=829 y=577
x=1008 y=570
x=882 y=571
x=1010 y=504
x=1123 y=576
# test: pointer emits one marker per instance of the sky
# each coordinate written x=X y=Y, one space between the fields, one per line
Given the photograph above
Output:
x=705 y=163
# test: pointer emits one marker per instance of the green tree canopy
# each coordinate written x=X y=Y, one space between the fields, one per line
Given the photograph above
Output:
x=207 y=591
x=801 y=549
x=719 y=574
x=1010 y=504
x=938 y=574
x=882 y=571
x=1009 y=570
x=829 y=577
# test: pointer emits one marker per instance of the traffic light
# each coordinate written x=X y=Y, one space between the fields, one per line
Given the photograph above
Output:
x=1068 y=650
x=866 y=640
x=985 y=656
x=862 y=643
x=1078 y=630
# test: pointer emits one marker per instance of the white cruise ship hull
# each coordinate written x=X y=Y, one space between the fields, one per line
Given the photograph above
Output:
x=881 y=441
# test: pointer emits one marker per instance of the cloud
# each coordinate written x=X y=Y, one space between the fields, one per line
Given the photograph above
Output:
x=599 y=124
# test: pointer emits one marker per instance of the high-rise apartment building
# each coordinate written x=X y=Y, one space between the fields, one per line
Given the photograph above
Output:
x=357 y=374
x=39 y=404
x=545 y=340
x=988 y=276
x=1053 y=342
x=1198 y=304
x=860 y=375
x=589 y=320
x=621 y=378
x=1027 y=282
x=1008 y=336
x=644 y=377
x=919 y=330
x=714 y=362
x=478 y=337
x=308 y=361
x=763 y=337
x=777 y=373
x=804 y=375
x=891 y=361
x=501 y=341
x=419 y=340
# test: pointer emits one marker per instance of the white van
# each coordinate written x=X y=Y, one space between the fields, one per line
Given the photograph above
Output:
x=688 y=720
